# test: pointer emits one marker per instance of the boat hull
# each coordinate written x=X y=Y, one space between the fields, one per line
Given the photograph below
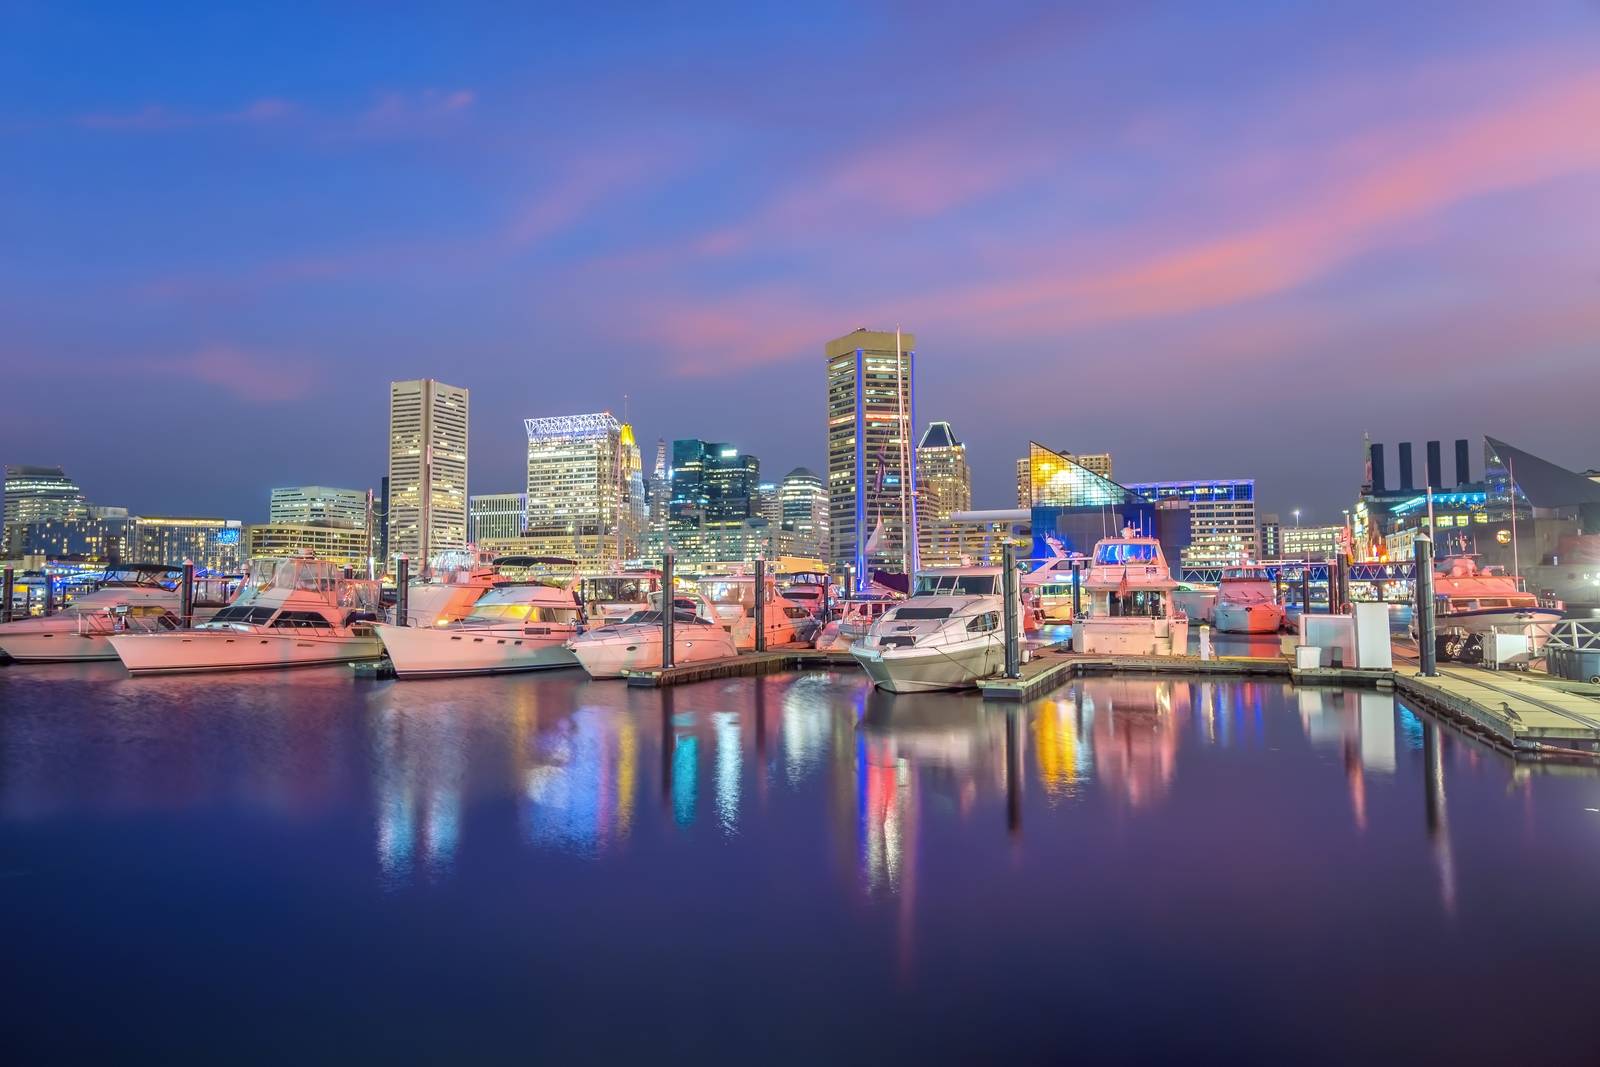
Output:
x=1248 y=618
x=423 y=653
x=920 y=670
x=1488 y=619
x=63 y=646
x=617 y=655
x=199 y=651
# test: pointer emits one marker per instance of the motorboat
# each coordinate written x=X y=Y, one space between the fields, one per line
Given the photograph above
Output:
x=520 y=626
x=455 y=581
x=1247 y=602
x=613 y=650
x=1478 y=600
x=1130 y=610
x=949 y=634
x=1196 y=600
x=855 y=616
x=130 y=597
x=733 y=600
x=1050 y=586
x=306 y=613
x=611 y=598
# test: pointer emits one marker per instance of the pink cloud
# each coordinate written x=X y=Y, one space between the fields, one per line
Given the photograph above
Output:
x=403 y=111
x=256 y=378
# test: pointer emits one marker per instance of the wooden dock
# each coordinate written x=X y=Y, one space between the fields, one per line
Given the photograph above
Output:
x=744 y=665
x=1511 y=710
x=1055 y=666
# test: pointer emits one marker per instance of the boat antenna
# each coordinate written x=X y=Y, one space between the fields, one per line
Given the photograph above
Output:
x=1511 y=495
x=900 y=402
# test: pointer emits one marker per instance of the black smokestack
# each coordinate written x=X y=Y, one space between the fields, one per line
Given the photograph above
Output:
x=1435 y=466
x=1377 y=468
x=1407 y=485
x=1463 y=463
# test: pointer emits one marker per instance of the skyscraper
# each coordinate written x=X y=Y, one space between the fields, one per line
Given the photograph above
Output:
x=496 y=516
x=715 y=498
x=805 y=513
x=944 y=481
x=871 y=462
x=581 y=475
x=39 y=494
x=427 y=468
x=318 y=504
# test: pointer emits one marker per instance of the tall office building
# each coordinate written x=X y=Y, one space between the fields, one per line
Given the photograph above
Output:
x=427 y=468
x=805 y=513
x=1271 y=536
x=347 y=546
x=944 y=481
x=871 y=377
x=213 y=544
x=1094 y=462
x=306 y=504
x=496 y=516
x=582 y=471
x=714 y=516
x=38 y=494
x=1222 y=518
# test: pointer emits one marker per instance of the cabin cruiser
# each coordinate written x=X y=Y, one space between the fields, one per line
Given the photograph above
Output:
x=1196 y=600
x=1247 y=602
x=1129 y=610
x=855 y=616
x=948 y=634
x=611 y=598
x=613 y=650
x=131 y=597
x=1476 y=600
x=733 y=603
x=305 y=613
x=516 y=626
x=1049 y=586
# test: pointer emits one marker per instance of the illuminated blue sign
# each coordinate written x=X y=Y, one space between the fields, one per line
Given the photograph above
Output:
x=228 y=537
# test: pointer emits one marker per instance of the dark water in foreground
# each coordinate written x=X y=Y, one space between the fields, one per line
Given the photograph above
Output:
x=304 y=866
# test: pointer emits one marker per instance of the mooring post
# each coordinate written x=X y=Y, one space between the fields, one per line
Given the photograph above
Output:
x=1305 y=590
x=186 y=599
x=402 y=588
x=1012 y=599
x=1077 y=592
x=761 y=603
x=827 y=583
x=49 y=592
x=1427 y=636
x=667 y=559
x=10 y=591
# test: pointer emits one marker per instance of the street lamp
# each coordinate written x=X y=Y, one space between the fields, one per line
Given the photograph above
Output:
x=1297 y=518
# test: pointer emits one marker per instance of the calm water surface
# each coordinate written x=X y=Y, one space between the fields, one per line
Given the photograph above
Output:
x=549 y=869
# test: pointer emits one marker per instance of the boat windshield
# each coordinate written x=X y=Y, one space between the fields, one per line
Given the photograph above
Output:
x=1245 y=574
x=654 y=618
x=1125 y=552
x=954 y=585
x=620 y=589
x=498 y=613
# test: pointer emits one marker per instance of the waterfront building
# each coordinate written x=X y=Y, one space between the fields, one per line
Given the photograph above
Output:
x=496 y=516
x=214 y=544
x=871 y=388
x=1311 y=542
x=1073 y=507
x=89 y=537
x=347 y=546
x=38 y=494
x=305 y=504
x=805 y=513
x=582 y=471
x=380 y=546
x=944 y=480
x=1270 y=537
x=715 y=511
x=427 y=503
x=1098 y=463
x=1222 y=518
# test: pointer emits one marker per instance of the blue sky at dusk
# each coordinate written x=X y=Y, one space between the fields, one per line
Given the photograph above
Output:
x=1217 y=240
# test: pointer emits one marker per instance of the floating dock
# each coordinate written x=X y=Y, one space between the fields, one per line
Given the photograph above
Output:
x=1520 y=713
x=1056 y=666
x=744 y=665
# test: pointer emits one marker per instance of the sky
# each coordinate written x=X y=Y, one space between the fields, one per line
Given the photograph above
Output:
x=1217 y=240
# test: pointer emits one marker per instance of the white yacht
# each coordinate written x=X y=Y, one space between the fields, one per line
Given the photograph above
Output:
x=732 y=598
x=522 y=626
x=1475 y=599
x=306 y=613
x=1247 y=602
x=130 y=598
x=948 y=634
x=1050 y=586
x=454 y=583
x=1129 y=609
x=613 y=650
x=855 y=616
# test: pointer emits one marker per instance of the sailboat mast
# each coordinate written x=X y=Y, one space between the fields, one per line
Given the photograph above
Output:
x=900 y=401
x=1511 y=497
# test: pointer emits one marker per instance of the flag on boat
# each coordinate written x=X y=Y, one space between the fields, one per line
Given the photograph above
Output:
x=1122 y=586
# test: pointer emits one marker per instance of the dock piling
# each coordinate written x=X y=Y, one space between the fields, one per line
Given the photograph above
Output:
x=186 y=599
x=668 y=557
x=1305 y=589
x=49 y=592
x=761 y=603
x=402 y=584
x=1077 y=592
x=1427 y=635
x=1012 y=599
x=10 y=583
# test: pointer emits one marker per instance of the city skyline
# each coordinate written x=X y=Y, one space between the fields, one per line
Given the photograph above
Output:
x=1368 y=224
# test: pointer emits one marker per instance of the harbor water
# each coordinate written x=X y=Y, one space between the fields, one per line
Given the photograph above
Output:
x=316 y=867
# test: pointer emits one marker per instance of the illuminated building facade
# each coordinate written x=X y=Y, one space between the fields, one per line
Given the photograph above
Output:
x=1310 y=542
x=38 y=494
x=714 y=514
x=496 y=516
x=585 y=495
x=871 y=382
x=1222 y=518
x=1270 y=537
x=974 y=538
x=1094 y=462
x=427 y=468
x=345 y=545
x=944 y=481
x=805 y=513
x=318 y=504
x=1073 y=507
x=215 y=545
x=90 y=537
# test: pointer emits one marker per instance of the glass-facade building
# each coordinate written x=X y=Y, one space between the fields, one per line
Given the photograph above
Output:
x=944 y=480
x=871 y=391
x=427 y=468
x=308 y=504
x=1073 y=507
x=714 y=514
x=585 y=491
x=1222 y=518
x=37 y=494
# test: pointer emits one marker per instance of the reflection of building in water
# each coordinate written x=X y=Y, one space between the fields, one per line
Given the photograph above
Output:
x=1135 y=736
x=1437 y=816
x=1062 y=759
x=418 y=768
x=580 y=786
x=809 y=718
x=730 y=765
x=888 y=818
x=1362 y=726
x=685 y=776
